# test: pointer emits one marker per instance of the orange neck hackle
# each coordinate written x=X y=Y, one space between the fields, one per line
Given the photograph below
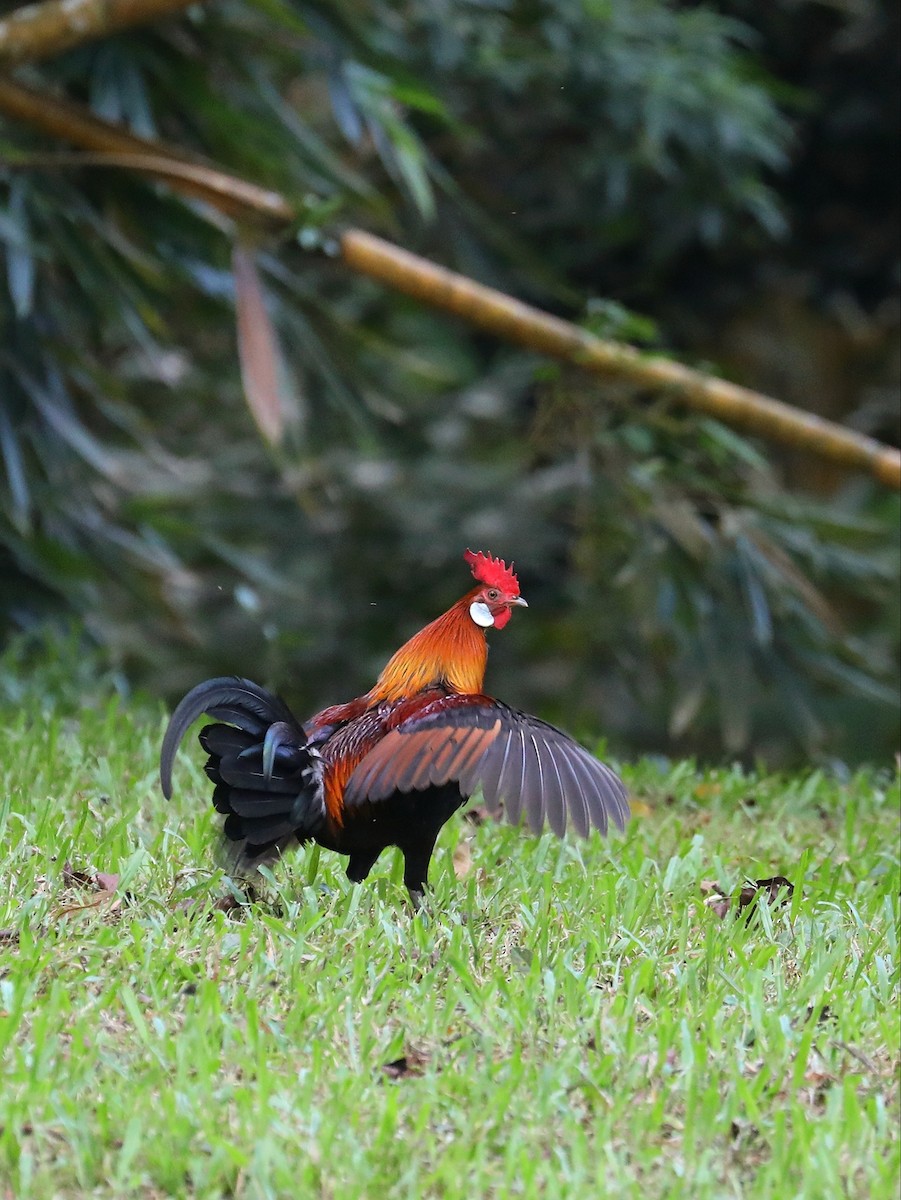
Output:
x=450 y=652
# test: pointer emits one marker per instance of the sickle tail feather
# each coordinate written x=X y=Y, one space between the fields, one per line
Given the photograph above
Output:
x=267 y=782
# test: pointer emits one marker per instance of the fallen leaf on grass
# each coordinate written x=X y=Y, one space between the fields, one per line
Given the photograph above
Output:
x=462 y=860
x=103 y=881
x=719 y=901
x=813 y=1090
x=105 y=884
x=103 y=897
x=703 y=791
x=108 y=898
x=639 y=808
x=480 y=814
x=74 y=878
x=773 y=887
x=200 y=905
x=412 y=1063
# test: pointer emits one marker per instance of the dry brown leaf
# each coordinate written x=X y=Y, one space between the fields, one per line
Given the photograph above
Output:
x=109 y=899
x=720 y=902
x=103 y=881
x=717 y=901
x=412 y=1063
x=257 y=348
x=200 y=906
x=75 y=878
x=480 y=814
x=106 y=885
x=462 y=860
x=778 y=887
x=707 y=790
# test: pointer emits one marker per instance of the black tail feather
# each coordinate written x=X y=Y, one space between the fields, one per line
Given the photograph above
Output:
x=258 y=836
x=249 y=773
x=226 y=739
x=256 y=804
x=268 y=783
x=227 y=698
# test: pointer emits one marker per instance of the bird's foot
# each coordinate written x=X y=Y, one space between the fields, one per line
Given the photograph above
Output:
x=418 y=900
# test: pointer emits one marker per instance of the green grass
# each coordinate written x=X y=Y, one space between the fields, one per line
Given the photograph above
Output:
x=577 y=1022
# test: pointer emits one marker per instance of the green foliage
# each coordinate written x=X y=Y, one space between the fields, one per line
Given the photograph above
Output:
x=544 y=146
x=575 y=1019
x=639 y=114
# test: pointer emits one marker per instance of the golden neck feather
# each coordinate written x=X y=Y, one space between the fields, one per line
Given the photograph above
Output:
x=450 y=652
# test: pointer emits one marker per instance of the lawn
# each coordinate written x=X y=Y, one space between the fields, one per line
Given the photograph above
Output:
x=574 y=1019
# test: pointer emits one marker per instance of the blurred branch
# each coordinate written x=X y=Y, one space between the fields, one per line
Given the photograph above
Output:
x=116 y=147
x=485 y=307
x=736 y=406
x=38 y=31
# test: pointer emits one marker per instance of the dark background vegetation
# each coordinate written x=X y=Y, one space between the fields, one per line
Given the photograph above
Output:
x=716 y=181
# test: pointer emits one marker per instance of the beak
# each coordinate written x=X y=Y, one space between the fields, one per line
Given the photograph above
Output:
x=519 y=602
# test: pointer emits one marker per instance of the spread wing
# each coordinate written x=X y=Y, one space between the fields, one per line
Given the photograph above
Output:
x=518 y=761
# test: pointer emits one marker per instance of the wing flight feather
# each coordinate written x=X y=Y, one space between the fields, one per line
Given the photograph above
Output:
x=518 y=761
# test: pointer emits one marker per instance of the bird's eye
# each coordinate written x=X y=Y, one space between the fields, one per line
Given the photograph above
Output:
x=492 y=593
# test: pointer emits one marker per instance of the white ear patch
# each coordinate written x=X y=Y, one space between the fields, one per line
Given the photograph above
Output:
x=481 y=614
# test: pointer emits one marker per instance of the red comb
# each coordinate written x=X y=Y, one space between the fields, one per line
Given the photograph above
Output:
x=493 y=571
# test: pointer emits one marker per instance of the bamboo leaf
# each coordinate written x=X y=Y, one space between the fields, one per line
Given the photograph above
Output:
x=20 y=266
x=54 y=405
x=257 y=348
x=15 y=472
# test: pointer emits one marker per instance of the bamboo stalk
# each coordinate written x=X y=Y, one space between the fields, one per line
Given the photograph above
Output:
x=38 y=31
x=515 y=321
x=115 y=146
x=485 y=307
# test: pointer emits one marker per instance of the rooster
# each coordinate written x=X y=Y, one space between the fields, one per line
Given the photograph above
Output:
x=391 y=767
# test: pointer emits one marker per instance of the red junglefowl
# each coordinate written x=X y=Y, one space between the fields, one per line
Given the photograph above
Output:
x=391 y=767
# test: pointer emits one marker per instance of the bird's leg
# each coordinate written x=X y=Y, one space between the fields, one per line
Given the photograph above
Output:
x=360 y=865
x=417 y=856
